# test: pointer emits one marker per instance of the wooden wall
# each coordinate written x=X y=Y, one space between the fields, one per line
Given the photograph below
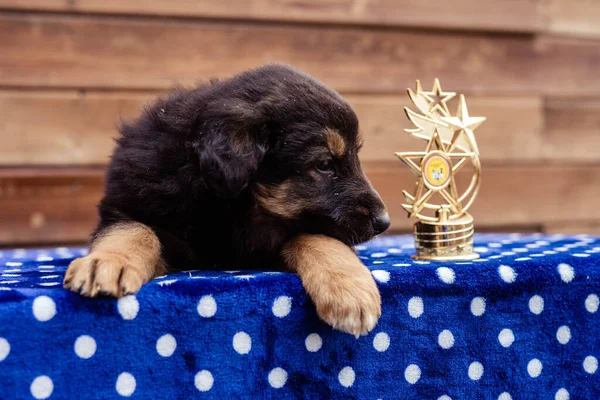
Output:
x=69 y=69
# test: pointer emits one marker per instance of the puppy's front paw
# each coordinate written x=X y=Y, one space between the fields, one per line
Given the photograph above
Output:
x=110 y=274
x=349 y=302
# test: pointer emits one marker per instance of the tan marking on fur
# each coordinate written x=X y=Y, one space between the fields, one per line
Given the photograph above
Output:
x=335 y=142
x=342 y=288
x=279 y=200
x=122 y=258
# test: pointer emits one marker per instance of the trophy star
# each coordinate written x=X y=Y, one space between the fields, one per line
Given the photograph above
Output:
x=419 y=200
x=438 y=98
x=463 y=123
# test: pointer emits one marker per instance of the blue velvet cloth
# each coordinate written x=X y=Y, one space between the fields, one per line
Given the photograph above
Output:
x=521 y=323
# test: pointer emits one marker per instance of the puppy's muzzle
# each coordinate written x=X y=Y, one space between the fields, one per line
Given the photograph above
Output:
x=381 y=223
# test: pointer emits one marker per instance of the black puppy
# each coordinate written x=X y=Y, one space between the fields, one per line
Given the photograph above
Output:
x=257 y=171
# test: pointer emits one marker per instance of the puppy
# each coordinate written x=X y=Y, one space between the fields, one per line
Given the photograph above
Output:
x=257 y=171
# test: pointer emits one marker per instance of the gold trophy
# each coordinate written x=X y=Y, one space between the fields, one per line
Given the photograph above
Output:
x=444 y=230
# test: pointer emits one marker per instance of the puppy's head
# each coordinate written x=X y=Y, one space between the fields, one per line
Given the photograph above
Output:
x=295 y=147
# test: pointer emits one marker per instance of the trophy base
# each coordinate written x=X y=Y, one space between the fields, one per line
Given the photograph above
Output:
x=445 y=241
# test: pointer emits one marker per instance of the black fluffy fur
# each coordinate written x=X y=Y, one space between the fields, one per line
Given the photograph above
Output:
x=191 y=164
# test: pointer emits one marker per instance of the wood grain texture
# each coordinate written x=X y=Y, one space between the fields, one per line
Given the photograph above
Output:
x=489 y=15
x=91 y=52
x=59 y=205
x=511 y=133
x=510 y=195
x=572 y=129
x=591 y=227
x=48 y=206
x=71 y=127
x=61 y=128
x=573 y=17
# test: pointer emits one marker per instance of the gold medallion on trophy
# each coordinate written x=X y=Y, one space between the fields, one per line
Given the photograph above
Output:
x=444 y=230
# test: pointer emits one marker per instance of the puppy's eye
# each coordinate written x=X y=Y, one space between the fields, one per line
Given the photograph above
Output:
x=325 y=165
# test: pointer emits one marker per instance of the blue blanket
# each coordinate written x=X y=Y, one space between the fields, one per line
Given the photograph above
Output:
x=520 y=323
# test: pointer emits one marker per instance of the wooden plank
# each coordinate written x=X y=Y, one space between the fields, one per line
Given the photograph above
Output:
x=591 y=227
x=72 y=127
x=60 y=206
x=512 y=131
x=68 y=127
x=93 y=52
x=488 y=15
x=45 y=206
x=572 y=129
x=510 y=195
x=573 y=17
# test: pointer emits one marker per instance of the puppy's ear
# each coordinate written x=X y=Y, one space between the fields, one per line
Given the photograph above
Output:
x=230 y=147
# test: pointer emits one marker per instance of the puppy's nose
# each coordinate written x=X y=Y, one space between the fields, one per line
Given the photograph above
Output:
x=381 y=223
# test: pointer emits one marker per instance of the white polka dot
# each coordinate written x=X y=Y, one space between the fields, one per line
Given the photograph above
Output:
x=446 y=339
x=242 y=342
x=4 y=349
x=412 y=374
x=562 y=394
x=523 y=259
x=563 y=334
x=444 y=397
x=381 y=276
x=207 y=306
x=505 y=396
x=475 y=371
x=13 y=264
x=581 y=255
x=508 y=253
x=381 y=341
x=566 y=272
x=166 y=345
x=507 y=274
x=494 y=245
x=536 y=304
x=44 y=308
x=591 y=303
x=313 y=342
x=85 y=346
x=346 y=377
x=379 y=255
x=125 y=384
x=282 y=306
x=42 y=387
x=446 y=275
x=478 y=306
x=394 y=251
x=415 y=307
x=534 y=368
x=128 y=307
x=204 y=381
x=506 y=337
x=590 y=364
x=277 y=378
x=480 y=249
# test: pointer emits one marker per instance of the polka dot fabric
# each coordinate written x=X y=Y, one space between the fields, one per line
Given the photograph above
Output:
x=522 y=322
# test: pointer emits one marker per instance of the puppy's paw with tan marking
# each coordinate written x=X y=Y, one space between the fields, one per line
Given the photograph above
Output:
x=104 y=274
x=342 y=288
x=349 y=300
